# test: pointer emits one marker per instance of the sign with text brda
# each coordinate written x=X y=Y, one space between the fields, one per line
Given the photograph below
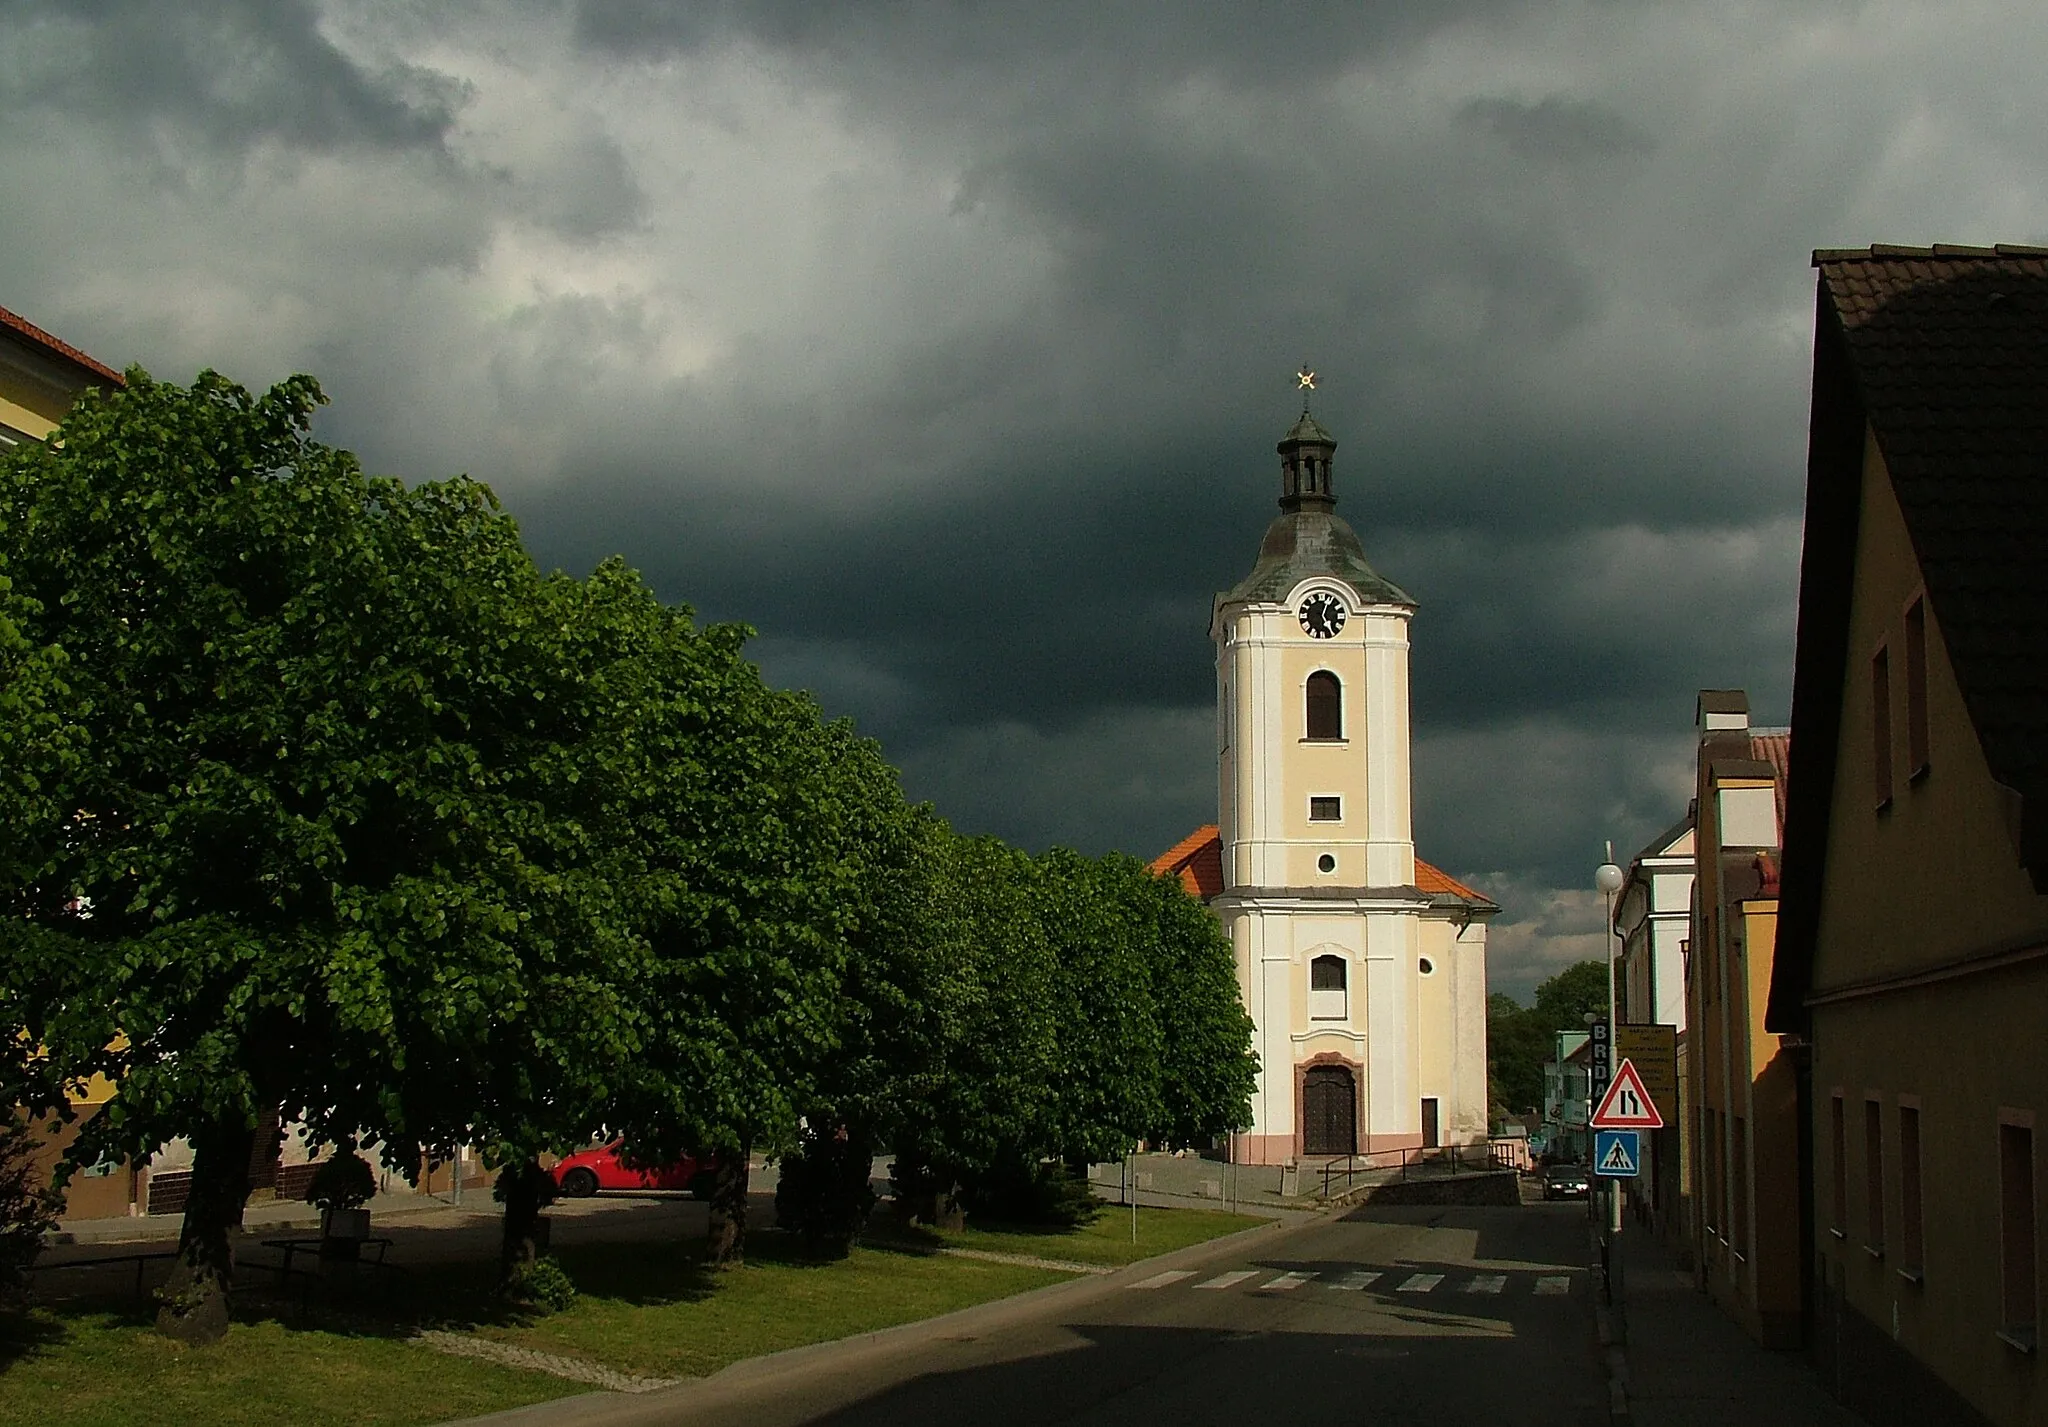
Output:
x=1627 y=1105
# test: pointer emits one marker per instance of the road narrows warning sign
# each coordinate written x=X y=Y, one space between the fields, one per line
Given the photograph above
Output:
x=1627 y=1105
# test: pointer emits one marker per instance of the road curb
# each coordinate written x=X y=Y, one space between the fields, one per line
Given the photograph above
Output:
x=613 y=1409
x=1610 y=1326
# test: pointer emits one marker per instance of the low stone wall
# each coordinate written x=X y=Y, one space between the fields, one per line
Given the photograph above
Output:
x=1500 y=1188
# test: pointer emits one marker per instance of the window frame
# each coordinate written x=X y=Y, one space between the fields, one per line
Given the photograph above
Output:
x=1341 y=991
x=1912 y=1208
x=1330 y=703
x=1917 y=762
x=2018 y=1231
x=1881 y=725
x=1332 y=803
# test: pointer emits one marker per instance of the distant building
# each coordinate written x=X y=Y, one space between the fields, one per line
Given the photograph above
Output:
x=1363 y=968
x=1741 y=1084
x=40 y=377
x=1913 y=958
x=1653 y=921
x=1567 y=1098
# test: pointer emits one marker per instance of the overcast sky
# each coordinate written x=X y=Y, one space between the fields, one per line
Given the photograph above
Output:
x=947 y=344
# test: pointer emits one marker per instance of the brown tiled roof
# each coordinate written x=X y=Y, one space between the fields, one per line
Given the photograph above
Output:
x=57 y=347
x=1950 y=352
x=1197 y=860
x=1435 y=879
x=1943 y=352
x=1775 y=748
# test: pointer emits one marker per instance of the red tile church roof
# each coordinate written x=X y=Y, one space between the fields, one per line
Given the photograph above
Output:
x=1197 y=860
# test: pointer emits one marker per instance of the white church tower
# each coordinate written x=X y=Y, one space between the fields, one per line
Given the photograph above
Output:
x=1364 y=969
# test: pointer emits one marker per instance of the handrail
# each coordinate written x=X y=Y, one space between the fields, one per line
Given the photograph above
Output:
x=1409 y=1158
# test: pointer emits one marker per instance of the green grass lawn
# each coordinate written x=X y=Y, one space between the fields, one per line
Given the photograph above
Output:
x=338 y=1355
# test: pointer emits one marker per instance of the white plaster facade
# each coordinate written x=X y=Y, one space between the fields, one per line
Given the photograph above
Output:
x=1319 y=896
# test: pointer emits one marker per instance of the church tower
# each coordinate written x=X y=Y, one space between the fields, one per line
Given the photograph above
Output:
x=1363 y=969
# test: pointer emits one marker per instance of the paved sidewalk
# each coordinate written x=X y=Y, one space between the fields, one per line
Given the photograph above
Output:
x=1688 y=1365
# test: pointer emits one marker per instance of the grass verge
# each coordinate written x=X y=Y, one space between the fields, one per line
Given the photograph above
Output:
x=338 y=1353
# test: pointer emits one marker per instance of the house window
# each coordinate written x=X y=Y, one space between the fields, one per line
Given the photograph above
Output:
x=1881 y=725
x=2016 y=1223
x=1916 y=689
x=1715 y=1219
x=1873 y=1177
x=1838 y=1146
x=1326 y=989
x=1325 y=706
x=1326 y=810
x=1738 y=1189
x=1909 y=1191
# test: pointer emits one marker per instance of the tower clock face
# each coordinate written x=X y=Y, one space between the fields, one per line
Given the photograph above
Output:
x=1322 y=615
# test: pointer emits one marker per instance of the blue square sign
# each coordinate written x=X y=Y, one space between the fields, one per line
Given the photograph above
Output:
x=1618 y=1154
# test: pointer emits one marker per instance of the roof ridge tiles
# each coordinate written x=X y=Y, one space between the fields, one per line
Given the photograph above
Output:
x=1896 y=252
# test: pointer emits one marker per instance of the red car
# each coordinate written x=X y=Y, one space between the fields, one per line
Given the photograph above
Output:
x=587 y=1171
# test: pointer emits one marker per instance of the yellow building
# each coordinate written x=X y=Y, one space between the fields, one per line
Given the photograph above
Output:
x=1743 y=1109
x=40 y=377
x=1913 y=949
x=1363 y=969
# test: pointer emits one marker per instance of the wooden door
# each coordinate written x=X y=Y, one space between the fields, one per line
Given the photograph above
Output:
x=1330 y=1111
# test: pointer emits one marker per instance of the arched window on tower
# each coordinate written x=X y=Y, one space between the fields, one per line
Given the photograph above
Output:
x=1325 y=706
x=1326 y=989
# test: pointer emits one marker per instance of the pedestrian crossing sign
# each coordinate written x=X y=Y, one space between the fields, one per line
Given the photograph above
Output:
x=1618 y=1154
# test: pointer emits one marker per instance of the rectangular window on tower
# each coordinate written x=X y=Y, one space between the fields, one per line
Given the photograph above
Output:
x=1325 y=810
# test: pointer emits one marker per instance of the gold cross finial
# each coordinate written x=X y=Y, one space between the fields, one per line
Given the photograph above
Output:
x=1306 y=377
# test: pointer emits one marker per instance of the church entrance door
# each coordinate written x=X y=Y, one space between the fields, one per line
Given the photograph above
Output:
x=1330 y=1106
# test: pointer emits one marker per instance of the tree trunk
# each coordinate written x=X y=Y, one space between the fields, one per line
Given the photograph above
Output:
x=725 y=1245
x=194 y=1298
x=524 y=1189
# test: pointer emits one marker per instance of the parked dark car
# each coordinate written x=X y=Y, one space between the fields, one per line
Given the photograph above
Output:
x=603 y=1167
x=1566 y=1181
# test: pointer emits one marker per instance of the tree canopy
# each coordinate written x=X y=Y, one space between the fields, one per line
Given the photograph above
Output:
x=325 y=802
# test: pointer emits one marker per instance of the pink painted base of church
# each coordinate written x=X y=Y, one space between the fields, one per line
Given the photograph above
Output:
x=1286 y=1149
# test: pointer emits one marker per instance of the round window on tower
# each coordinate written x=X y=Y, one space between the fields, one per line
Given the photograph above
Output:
x=1426 y=966
x=1326 y=863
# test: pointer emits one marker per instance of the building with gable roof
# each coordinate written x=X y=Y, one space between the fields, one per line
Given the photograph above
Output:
x=40 y=377
x=1741 y=1089
x=1362 y=967
x=1913 y=945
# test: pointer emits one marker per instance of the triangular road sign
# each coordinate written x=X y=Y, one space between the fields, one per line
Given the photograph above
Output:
x=1627 y=1105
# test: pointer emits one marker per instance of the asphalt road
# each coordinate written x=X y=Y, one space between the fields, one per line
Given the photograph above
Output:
x=1437 y=1316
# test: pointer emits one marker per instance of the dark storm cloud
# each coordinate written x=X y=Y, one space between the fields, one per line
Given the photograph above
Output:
x=947 y=344
x=1558 y=128
x=1254 y=43
x=230 y=72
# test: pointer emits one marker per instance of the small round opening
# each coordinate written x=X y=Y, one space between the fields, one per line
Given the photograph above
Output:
x=1326 y=863
x=1427 y=966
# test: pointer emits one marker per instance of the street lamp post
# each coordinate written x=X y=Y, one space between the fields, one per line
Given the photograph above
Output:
x=1607 y=879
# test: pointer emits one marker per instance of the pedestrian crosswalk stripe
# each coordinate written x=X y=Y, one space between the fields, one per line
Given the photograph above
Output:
x=1290 y=1280
x=1353 y=1282
x=1554 y=1283
x=1161 y=1280
x=1229 y=1280
x=1487 y=1283
x=1421 y=1283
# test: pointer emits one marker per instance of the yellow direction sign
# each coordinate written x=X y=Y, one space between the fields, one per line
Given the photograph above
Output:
x=1653 y=1050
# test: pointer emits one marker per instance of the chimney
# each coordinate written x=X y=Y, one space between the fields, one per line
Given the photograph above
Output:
x=1722 y=710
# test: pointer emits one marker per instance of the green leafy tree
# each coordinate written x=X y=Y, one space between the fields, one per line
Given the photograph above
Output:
x=1565 y=1000
x=1520 y=1039
x=1207 y=1069
x=322 y=855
